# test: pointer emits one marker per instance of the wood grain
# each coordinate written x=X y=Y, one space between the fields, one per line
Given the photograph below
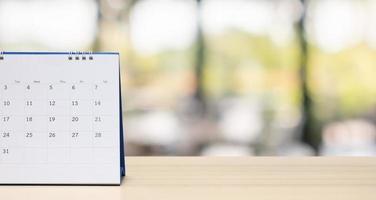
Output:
x=164 y=178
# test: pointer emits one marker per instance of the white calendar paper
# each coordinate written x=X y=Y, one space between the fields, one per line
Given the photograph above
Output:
x=60 y=118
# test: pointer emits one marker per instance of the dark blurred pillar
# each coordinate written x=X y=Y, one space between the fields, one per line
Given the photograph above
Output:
x=309 y=135
x=199 y=94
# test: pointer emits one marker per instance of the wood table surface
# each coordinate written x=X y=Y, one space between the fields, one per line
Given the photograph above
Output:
x=163 y=178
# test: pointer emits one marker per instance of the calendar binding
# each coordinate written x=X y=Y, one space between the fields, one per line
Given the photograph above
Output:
x=80 y=55
x=72 y=55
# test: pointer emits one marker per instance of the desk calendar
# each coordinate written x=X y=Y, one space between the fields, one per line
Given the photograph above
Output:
x=60 y=118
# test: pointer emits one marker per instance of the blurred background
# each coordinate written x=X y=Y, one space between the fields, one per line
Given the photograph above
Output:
x=223 y=77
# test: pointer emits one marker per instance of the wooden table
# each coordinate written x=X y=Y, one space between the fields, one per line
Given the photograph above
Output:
x=218 y=178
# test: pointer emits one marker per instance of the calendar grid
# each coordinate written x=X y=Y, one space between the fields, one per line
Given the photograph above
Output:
x=46 y=114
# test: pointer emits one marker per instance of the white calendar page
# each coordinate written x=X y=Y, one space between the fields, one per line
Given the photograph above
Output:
x=59 y=119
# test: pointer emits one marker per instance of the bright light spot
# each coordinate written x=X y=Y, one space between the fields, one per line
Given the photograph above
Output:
x=58 y=25
x=227 y=150
x=154 y=128
x=251 y=16
x=349 y=138
x=370 y=36
x=241 y=121
x=162 y=24
x=281 y=29
x=337 y=24
x=275 y=19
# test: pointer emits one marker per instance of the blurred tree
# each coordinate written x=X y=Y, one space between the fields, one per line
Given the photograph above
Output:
x=309 y=135
x=200 y=62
